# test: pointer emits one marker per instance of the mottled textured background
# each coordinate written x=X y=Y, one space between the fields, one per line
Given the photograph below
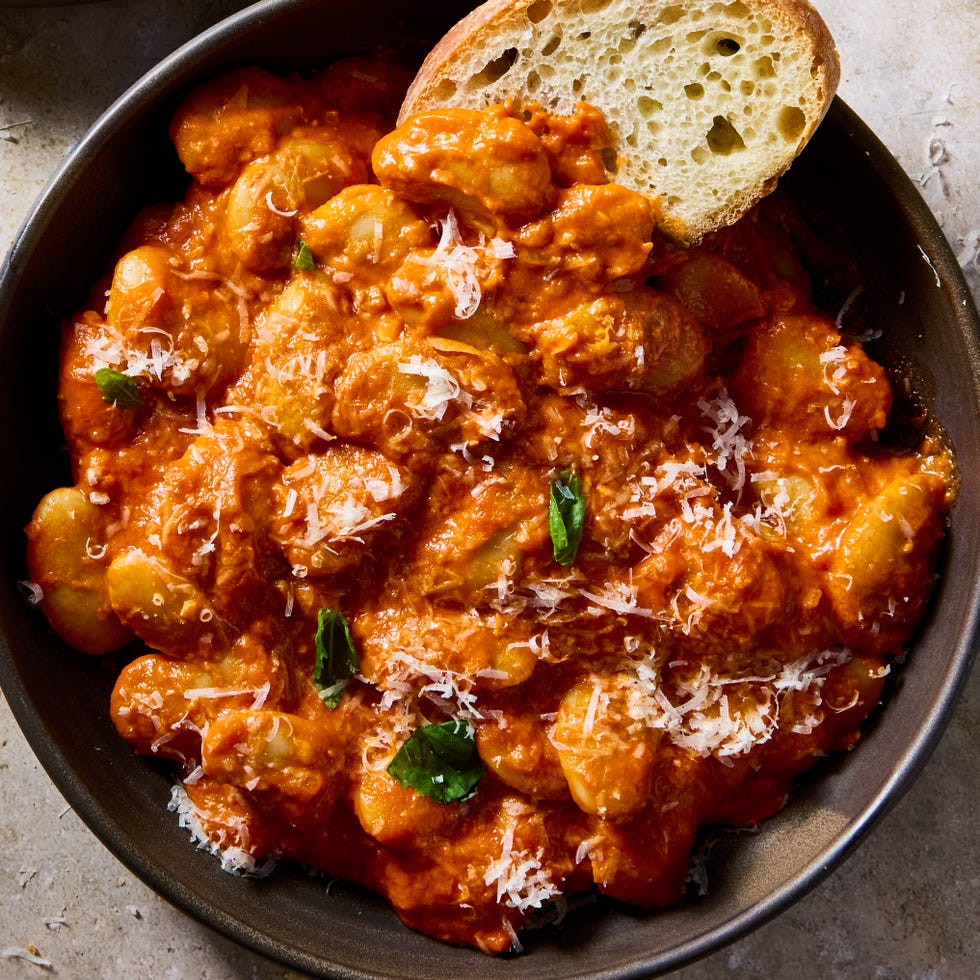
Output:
x=906 y=906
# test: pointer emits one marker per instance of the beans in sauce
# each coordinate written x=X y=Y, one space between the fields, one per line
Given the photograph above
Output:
x=364 y=379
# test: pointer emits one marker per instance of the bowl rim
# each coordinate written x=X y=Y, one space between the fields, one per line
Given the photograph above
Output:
x=166 y=77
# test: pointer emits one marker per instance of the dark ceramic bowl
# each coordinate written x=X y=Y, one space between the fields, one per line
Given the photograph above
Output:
x=845 y=179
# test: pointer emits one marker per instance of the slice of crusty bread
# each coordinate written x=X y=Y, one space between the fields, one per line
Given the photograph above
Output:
x=709 y=101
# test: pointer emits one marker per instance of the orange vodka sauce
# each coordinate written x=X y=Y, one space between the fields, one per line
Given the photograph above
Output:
x=471 y=539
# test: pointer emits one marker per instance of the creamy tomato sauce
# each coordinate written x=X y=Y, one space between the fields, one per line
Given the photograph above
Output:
x=433 y=434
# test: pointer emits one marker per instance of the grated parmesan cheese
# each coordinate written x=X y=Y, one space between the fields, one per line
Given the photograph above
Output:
x=459 y=263
x=235 y=860
x=619 y=597
x=706 y=721
x=441 y=388
x=356 y=521
x=834 y=363
x=32 y=591
x=728 y=441
x=411 y=676
x=521 y=881
x=28 y=954
x=847 y=407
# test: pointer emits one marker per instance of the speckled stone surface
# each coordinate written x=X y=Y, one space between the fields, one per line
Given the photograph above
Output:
x=906 y=906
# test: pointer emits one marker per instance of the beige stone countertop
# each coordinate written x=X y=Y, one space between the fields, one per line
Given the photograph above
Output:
x=905 y=906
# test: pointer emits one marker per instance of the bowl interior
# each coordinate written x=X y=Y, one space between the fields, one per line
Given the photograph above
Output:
x=914 y=292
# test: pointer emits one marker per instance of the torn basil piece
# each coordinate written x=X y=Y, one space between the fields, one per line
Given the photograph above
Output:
x=336 y=657
x=304 y=257
x=440 y=761
x=566 y=515
x=118 y=389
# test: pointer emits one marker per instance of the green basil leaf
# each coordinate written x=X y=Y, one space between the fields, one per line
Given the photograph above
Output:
x=118 y=389
x=336 y=657
x=304 y=257
x=440 y=761
x=566 y=515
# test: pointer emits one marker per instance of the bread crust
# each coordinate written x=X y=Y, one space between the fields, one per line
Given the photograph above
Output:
x=708 y=157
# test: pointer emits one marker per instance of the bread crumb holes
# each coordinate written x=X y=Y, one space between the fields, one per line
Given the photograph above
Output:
x=790 y=122
x=495 y=69
x=538 y=11
x=723 y=138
